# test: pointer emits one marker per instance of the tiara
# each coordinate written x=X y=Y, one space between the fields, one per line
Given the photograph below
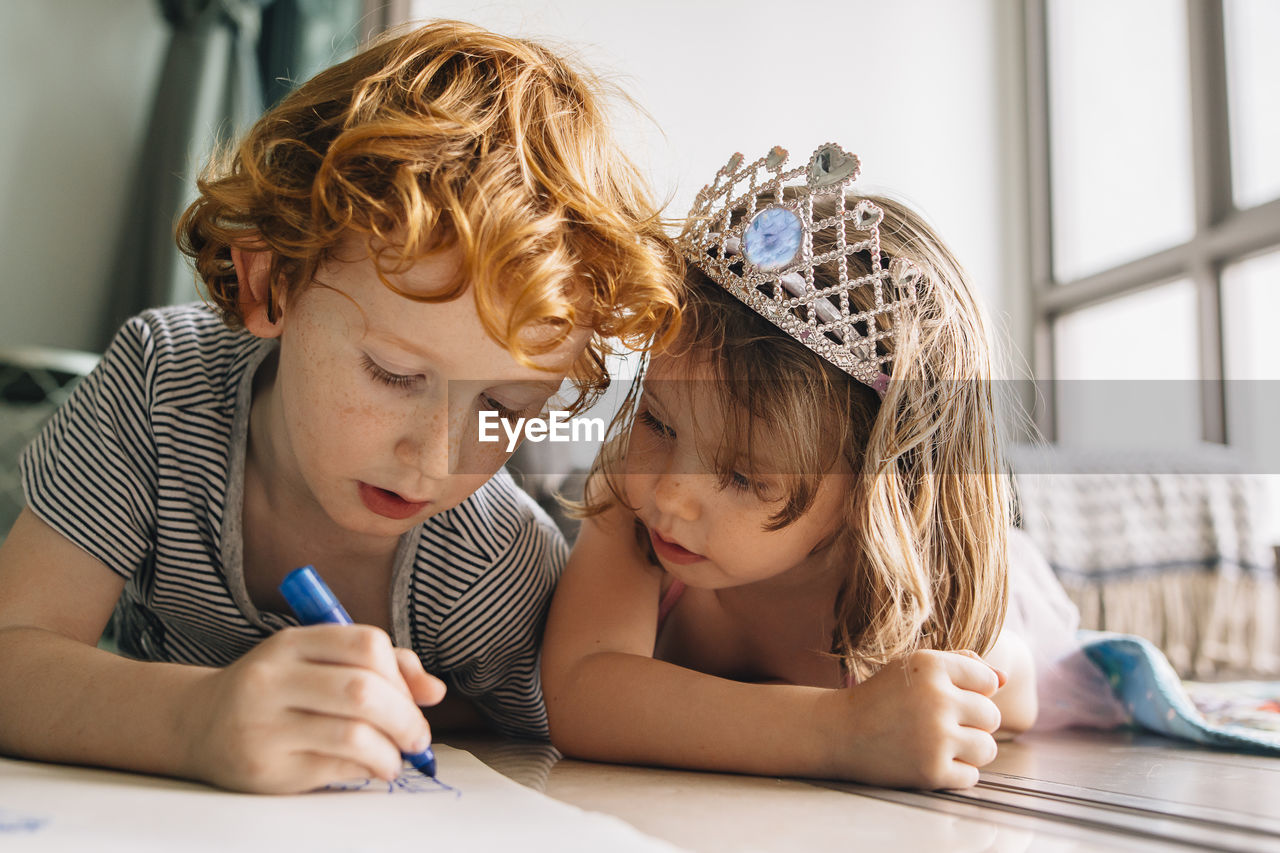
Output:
x=756 y=241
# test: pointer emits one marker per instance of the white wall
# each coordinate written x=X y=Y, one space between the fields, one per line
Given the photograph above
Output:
x=919 y=89
x=77 y=78
x=915 y=88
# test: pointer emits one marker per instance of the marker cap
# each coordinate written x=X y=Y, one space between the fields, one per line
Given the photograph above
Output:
x=312 y=601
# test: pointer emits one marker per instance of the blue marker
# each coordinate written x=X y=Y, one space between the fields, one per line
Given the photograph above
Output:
x=315 y=604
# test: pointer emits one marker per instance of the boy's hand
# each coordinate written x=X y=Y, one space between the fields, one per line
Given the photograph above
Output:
x=308 y=707
x=921 y=722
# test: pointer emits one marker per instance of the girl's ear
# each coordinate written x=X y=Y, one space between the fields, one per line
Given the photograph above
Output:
x=253 y=269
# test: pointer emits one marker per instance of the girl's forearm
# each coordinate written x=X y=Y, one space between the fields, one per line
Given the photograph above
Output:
x=633 y=709
x=1018 y=705
x=1017 y=699
x=64 y=701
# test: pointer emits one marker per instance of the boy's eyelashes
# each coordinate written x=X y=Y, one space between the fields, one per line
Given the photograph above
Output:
x=413 y=380
x=505 y=412
x=386 y=377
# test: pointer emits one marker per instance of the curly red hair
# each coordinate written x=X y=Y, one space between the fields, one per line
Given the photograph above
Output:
x=446 y=135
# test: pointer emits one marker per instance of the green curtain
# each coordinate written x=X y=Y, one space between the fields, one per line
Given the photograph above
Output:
x=226 y=60
x=303 y=37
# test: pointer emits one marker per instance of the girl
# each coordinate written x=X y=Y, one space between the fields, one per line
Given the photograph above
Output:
x=439 y=226
x=791 y=559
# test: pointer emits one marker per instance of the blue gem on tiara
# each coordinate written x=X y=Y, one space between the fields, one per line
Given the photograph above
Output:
x=773 y=238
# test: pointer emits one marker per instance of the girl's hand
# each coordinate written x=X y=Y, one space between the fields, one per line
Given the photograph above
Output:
x=1002 y=677
x=308 y=707
x=922 y=722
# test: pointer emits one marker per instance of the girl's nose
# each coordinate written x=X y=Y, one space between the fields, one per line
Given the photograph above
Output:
x=676 y=494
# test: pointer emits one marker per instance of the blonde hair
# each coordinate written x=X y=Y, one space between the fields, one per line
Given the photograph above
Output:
x=924 y=522
x=451 y=135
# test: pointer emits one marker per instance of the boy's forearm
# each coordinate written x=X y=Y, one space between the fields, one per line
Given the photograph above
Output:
x=64 y=701
x=637 y=710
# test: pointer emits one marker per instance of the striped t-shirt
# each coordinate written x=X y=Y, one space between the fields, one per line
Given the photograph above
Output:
x=143 y=468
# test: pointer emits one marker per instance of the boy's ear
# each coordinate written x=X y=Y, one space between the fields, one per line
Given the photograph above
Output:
x=253 y=270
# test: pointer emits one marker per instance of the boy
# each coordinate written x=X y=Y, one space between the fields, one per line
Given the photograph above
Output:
x=439 y=226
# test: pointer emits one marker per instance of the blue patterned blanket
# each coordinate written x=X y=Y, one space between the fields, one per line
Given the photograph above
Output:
x=1241 y=716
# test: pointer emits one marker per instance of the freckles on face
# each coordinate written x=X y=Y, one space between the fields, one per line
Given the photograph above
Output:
x=330 y=410
x=382 y=390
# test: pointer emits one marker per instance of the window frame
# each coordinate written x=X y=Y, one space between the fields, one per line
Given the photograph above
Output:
x=1224 y=234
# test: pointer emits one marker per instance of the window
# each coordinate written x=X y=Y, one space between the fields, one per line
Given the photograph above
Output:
x=1251 y=353
x=1253 y=67
x=1118 y=118
x=1155 y=209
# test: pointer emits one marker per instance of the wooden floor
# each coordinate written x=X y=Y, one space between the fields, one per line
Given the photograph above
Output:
x=1068 y=791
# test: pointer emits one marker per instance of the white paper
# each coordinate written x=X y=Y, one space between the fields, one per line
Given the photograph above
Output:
x=46 y=807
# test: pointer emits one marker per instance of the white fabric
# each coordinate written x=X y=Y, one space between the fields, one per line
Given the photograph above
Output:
x=1071 y=690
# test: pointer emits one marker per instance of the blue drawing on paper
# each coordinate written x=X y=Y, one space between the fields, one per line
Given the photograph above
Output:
x=411 y=781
